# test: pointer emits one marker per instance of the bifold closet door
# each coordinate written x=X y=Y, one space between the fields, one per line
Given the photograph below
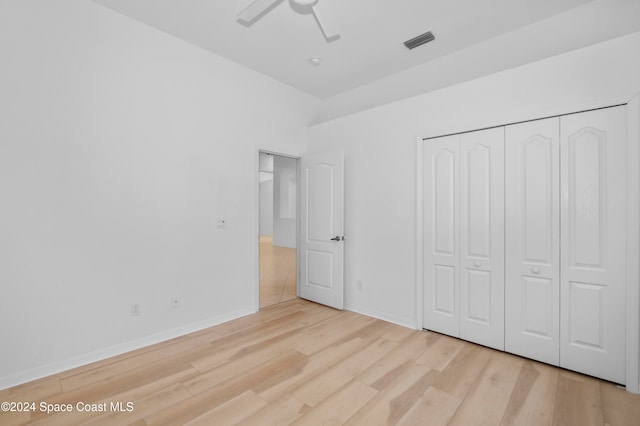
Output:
x=482 y=237
x=441 y=237
x=464 y=236
x=532 y=245
x=593 y=247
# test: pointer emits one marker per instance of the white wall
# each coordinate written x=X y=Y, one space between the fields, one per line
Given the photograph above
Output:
x=284 y=201
x=120 y=146
x=380 y=156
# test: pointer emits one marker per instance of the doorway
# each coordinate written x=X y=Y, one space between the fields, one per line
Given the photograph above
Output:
x=278 y=227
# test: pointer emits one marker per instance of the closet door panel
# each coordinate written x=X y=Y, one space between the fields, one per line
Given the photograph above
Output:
x=441 y=236
x=482 y=237
x=593 y=323
x=532 y=288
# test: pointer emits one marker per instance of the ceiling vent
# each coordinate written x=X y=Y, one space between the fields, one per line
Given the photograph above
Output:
x=420 y=40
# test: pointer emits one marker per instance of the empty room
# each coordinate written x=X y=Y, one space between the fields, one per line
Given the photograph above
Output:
x=273 y=212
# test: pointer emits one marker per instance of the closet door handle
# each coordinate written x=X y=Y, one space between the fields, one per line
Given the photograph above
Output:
x=477 y=264
x=336 y=238
x=535 y=270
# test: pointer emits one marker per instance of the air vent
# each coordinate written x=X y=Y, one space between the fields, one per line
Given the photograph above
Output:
x=420 y=40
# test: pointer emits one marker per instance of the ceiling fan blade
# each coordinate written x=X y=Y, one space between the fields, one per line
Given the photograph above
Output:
x=330 y=32
x=256 y=9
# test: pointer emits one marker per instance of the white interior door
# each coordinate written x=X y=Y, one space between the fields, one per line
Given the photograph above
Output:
x=482 y=237
x=441 y=235
x=593 y=248
x=532 y=246
x=322 y=233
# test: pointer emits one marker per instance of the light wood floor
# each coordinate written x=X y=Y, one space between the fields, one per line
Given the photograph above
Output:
x=302 y=363
x=277 y=273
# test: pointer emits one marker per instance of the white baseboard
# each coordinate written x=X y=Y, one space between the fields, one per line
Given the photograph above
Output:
x=405 y=322
x=101 y=354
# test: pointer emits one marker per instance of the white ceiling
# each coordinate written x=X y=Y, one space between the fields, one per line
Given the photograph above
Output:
x=372 y=32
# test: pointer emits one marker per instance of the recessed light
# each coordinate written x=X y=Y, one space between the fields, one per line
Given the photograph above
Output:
x=315 y=61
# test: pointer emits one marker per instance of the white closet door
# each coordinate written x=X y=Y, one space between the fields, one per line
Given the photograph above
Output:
x=592 y=249
x=441 y=254
x=532 y=246
x=482 y=237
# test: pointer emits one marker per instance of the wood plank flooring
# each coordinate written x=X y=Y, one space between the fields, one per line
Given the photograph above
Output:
x=305 y=364
x=277 y=273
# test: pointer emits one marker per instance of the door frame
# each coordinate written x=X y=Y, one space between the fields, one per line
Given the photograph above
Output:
x=256 y=223
x=633 y=244
x=632 y=104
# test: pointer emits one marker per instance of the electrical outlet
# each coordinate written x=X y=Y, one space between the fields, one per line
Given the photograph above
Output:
x=136 y=310
x=175 y=302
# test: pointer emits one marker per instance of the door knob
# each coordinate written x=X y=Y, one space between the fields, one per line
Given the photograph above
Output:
x=477 y=264
x=535 y=270
x=336 y=238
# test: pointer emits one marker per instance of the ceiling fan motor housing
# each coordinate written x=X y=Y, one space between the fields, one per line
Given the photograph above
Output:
x=305 y=2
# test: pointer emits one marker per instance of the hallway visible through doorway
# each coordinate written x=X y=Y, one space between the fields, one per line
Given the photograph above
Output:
x=277 y=273
x=277 y=228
